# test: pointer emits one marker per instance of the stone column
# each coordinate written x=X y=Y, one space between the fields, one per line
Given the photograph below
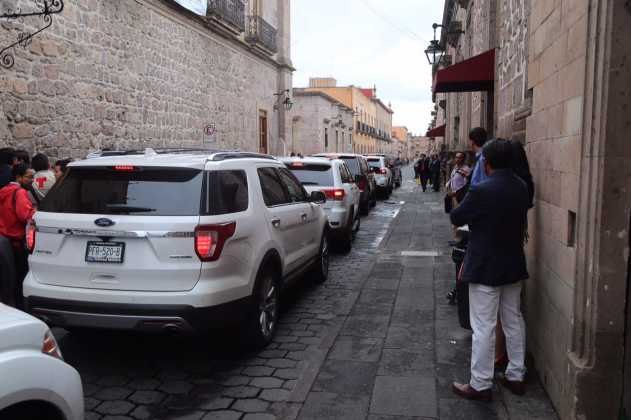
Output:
x=597 y=350
x=284 y=75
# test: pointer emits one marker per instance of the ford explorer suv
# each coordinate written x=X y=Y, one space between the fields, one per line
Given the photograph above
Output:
x=177 y=242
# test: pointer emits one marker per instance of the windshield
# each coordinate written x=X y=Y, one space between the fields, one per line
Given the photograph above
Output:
x=136 y=190
x=313 y=174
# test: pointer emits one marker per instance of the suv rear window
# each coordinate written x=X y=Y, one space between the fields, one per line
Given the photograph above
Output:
x=313 y=174
x=227 y=192
x=374 y=163
x=149 y=191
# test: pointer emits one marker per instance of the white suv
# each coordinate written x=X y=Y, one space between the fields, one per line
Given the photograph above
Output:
x=173 y=242
x=383 y=175
x=35 y=381
x=335 y=180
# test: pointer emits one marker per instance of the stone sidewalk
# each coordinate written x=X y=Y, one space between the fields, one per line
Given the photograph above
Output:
x=398 y=345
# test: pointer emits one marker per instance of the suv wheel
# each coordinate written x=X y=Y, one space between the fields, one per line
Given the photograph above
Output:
x=263 y=320
x=320 y=271
x=347 y=240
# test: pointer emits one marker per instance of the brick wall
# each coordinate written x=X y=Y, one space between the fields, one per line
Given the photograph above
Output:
x=131 y=74
x=556 y=73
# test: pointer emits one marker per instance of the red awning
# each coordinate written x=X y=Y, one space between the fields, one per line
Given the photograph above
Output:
x=471 y=75
x=436 y=132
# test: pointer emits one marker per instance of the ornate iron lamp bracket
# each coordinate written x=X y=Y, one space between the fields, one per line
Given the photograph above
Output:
x=46 y=9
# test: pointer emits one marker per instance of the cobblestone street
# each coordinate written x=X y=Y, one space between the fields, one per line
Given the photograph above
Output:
x=377 y=341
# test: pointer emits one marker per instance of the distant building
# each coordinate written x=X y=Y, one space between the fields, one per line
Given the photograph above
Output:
x=320 y=123
x=372 y=119
x=400 y=137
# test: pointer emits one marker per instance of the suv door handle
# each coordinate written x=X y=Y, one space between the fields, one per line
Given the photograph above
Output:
x=276 y=222
x=303 y=216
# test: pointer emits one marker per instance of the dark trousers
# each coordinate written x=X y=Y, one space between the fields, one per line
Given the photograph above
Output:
x=436 y=181
x=424 y=179
x=7 y=272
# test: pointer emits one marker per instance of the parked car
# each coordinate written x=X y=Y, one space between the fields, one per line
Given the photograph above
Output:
x=383 y=175
x=334 y=179
x=363 y=176
x=177 y=242
x=36 y=382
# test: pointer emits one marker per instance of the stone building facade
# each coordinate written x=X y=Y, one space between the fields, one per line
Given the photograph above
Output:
x=148 y=73
x=400 y=137
x=562 y=86
x=372 y=118
x=320 y=124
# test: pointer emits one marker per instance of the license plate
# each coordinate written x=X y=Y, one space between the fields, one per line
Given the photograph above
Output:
x=105 y=252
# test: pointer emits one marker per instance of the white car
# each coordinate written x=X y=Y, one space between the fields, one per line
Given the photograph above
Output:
x=177 y=242
x=35 y=382
x=335 y=180
x=383 y=175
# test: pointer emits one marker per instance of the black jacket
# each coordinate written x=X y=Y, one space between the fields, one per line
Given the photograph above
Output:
x=5 y=175
x=495 y=211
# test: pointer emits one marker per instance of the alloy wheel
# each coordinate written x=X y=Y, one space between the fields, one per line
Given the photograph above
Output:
x=268 y=307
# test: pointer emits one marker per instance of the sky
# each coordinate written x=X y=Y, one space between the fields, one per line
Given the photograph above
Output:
x=367 y=43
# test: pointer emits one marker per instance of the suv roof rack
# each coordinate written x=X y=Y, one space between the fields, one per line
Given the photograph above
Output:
x=151 y=151
x=219 y=156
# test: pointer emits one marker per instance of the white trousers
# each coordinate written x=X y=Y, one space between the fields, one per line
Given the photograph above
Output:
x=484 y=304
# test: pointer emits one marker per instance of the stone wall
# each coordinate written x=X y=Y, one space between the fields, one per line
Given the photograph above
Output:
x=132 y=74
x=556 y=73
x=512 y=97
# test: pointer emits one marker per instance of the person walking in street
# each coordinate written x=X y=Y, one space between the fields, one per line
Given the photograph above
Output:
x=434 y=170
x=422 y=168
x=16 y=211
x=44 y=176
x=494 y=267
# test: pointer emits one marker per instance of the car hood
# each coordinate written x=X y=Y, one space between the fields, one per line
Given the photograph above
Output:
x=20 y=330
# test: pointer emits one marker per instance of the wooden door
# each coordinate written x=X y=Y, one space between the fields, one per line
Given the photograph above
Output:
x=263 y=132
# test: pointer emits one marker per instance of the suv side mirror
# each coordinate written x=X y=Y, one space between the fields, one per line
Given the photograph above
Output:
x=317 y=197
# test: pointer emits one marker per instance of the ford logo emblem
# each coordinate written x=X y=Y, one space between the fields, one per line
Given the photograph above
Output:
x=104 y=222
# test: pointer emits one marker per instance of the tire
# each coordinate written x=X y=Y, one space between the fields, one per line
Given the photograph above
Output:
x=262 y=321
x=320 y=272
x=364 y=207
x=346 y=243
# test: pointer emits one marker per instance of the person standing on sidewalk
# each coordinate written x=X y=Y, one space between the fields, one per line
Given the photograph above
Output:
x=16 y=211
x=495 y=266
x=458 y=178
x=422 y=168
x=435 y=173
x=478 y=137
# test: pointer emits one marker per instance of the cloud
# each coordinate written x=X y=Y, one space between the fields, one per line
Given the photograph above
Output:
x=366 y=43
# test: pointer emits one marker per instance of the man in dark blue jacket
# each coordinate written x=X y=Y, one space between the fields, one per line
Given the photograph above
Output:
x=495 y=266
x=7 y=160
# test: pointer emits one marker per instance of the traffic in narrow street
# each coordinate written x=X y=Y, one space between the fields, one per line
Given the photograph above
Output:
x=315 y=209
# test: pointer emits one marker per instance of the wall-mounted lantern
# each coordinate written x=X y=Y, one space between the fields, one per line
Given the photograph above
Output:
x=283 y=99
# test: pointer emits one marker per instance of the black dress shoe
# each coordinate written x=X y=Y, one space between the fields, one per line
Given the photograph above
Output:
x=467 y=391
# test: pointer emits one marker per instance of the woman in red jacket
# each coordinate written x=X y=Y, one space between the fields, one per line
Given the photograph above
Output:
x=16 y=211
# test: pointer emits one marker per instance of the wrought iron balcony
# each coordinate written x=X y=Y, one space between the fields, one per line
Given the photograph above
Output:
x=228 y=11
x=262 y=33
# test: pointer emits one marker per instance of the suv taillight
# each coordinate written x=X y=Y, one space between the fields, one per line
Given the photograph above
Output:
x=30 y=236
x=50 y=346
x=210 y=239
x=383 y=171
x=335 y=194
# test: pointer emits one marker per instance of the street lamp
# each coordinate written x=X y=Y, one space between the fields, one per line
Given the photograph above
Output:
x=434 y=51
x=287 y=103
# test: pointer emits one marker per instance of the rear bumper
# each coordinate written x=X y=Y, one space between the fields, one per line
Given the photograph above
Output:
x=138 y=317
x=337 y=217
